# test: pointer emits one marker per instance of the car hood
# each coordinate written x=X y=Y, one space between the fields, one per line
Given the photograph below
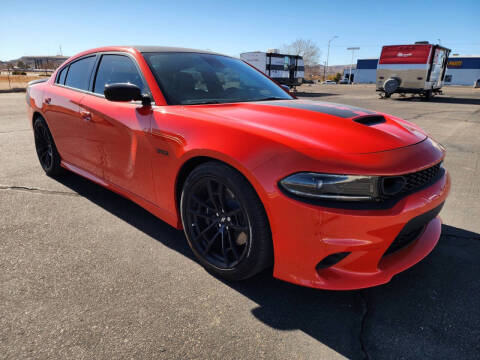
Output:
x=312 y=124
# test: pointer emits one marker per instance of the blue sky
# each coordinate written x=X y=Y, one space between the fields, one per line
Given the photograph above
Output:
x=231 y=27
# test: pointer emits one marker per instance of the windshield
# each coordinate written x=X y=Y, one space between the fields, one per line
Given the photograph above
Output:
x=195 y=78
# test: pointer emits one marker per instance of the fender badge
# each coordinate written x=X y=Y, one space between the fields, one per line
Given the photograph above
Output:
x=163 y=152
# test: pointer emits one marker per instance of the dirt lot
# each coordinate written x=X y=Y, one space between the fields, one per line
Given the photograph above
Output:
x=8 y=82
x=87 y=274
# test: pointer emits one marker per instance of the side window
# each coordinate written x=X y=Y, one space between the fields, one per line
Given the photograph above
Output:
x=61 y=76
x=116 y=69
x=78 y=75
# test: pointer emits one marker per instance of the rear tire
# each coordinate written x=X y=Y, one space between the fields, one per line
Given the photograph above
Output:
x=225 y=223
x=46 y=150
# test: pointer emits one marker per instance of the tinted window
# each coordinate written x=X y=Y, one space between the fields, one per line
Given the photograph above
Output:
x=191 y=78
x=78 y=75
x=116 y=69
x=61 y=76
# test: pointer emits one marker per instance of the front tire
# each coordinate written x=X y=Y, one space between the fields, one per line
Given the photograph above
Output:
x=46 y=150
x=225 y=223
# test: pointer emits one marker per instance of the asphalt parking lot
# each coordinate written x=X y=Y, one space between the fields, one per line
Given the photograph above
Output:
x=86 y=274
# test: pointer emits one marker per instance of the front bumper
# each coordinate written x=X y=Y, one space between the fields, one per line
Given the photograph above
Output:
x=313 y=233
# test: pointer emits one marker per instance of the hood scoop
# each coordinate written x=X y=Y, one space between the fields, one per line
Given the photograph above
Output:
x=370 y=120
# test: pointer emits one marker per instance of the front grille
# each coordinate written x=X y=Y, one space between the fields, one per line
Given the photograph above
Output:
x=411 y=182
x=412 y=230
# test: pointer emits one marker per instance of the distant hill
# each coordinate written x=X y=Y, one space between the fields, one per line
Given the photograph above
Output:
x=36 y=62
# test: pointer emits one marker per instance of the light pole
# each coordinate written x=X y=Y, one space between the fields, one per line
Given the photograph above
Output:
x=351 y=63
x=328 y=51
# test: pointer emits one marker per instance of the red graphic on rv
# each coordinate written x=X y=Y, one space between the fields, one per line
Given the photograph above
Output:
x=405 y=54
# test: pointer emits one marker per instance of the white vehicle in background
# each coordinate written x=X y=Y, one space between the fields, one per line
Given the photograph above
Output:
x=285 y=69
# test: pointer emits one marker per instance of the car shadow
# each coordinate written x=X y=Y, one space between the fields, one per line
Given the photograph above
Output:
x=430 y=310
x=443 y=99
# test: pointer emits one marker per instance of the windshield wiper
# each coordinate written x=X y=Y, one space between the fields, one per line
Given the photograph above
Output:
x=226 y=101
x=202 y=102
x=270 y=98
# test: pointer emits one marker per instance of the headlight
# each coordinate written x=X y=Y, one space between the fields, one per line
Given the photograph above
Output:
x=332 y=187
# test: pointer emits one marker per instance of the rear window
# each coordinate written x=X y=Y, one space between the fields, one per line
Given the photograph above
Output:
x=78 y=75
x=61 y=76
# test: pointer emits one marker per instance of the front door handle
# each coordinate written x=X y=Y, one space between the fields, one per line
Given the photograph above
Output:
x=86 y=115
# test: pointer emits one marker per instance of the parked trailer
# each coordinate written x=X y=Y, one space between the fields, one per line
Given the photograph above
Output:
x=415 y=69
x=285 y=69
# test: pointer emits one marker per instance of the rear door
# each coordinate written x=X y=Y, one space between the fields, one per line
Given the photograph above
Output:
x=121 y=128
x=62 y=109
x=438 y=64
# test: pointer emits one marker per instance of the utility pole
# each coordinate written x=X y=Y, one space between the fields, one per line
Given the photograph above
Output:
x=328 y=51
x=351 y=63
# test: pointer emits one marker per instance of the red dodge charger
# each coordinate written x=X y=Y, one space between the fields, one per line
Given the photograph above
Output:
x=334 y=196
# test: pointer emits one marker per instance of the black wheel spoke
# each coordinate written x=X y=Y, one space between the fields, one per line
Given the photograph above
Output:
x=211 y=242
x=232 y=246
x=233 y=212
x=196 y=213
x=221 y=193
x=202 y=203
x=238 y=227
x=211 y=196
x=224 y=253
x=205 y=230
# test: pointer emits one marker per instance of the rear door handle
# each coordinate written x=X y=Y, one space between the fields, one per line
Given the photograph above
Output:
x=86 y=115
x=47 y=100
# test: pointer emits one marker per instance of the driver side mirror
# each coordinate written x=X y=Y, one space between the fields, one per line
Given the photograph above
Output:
x=285 y=87
x=125 y=92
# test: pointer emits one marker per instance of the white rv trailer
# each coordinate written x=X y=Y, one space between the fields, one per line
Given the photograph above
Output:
x=285 y=69
x=418 y=69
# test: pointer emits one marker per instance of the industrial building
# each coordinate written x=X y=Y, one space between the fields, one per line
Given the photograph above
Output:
x=365 y=71
x=461 y=70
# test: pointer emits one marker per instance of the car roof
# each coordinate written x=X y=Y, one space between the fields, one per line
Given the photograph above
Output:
x=157 y=49
x=139 y=48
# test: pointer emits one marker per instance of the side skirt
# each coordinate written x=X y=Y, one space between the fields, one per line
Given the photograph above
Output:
x=166 y=216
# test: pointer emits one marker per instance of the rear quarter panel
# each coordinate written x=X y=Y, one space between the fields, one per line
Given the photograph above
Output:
x=34 y=98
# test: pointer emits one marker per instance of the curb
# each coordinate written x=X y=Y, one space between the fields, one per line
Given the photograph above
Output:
x=14 y=90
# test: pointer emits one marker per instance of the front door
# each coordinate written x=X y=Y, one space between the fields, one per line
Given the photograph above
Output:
x=121 y=128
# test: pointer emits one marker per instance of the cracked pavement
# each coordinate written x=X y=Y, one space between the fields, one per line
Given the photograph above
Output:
x=87 y=274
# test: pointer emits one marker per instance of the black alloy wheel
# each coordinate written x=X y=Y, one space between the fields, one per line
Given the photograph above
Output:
x=225 y=223
x=218 y=223
x=46 y=150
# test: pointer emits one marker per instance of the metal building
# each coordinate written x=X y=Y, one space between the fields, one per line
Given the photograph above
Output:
x=366 y=71
x=462 y=70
